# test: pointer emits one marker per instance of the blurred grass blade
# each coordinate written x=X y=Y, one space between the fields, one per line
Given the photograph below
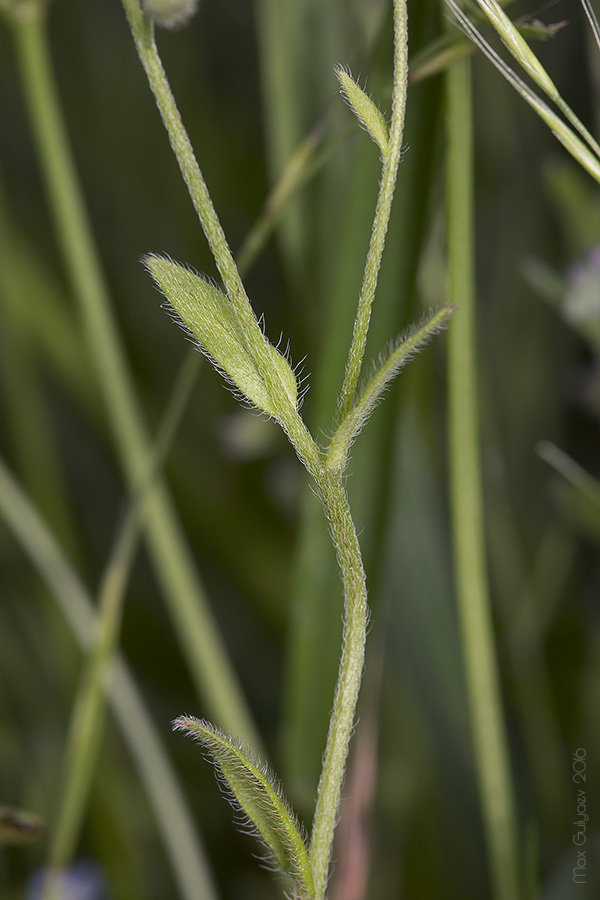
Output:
x=26 y=414
x=259 y=797
x=87 y=717
x=437 y=56
x=283 y=35
x=173 y=819
x=471 y=578
x=198 y=634
x=583 y=499
x=301 y=165
x=592 y=19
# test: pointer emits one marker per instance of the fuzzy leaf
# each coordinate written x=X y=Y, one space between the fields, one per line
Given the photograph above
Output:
x=250 y=362
x=366 y=110
x=390 y=363
x=258 y=795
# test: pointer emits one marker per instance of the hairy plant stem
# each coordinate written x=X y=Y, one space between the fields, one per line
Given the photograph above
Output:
x=382 y=210
x=142 y=29
x=329 y=483
x=335 y=502
x=344 y=536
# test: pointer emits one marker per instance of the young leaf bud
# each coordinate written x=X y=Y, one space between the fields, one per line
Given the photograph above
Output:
x=365 y=109
x=255 y=791
x=250 y=362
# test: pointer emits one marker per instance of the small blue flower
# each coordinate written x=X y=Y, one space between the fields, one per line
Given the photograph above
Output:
x=84 y=880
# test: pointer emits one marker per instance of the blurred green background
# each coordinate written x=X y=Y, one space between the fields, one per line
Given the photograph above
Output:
x=252 y=80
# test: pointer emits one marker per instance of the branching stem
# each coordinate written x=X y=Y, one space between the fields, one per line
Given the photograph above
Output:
x=382 y=211
x=329 y=483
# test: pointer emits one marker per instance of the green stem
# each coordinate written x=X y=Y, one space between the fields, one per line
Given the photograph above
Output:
x=143 y=35
x=142 y=29
x=351 y=666
x=382 y=211
x=87 y=719
x=207 y=659
x=479 y=652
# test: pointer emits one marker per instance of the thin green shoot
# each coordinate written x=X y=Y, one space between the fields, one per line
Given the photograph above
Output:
x=173 y=818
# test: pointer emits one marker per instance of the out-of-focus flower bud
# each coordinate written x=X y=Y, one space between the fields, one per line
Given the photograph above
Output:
x=170 y=13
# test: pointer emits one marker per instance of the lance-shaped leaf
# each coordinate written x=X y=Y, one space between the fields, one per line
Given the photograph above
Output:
x=257 y=793
x=253 y=365
x=390 y=363
x=367 y=112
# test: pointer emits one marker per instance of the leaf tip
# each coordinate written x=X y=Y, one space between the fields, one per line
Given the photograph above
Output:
x=364 y=107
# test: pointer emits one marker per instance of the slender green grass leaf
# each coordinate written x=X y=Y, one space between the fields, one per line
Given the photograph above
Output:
x=517 y=45
x=390 y=364
x=586 y=152
x=284 y=38
x=173 y=819
x=592 y=19
x=467 y=506
x=259 y=796
x=581 y=491
x=365 y=109
x=176 y=571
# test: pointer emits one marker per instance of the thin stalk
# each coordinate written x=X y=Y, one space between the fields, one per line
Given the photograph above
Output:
x=382 y=210
x=174 y=822
x=583 y=483
x=142 y=29
x=522 y=53
x=206 y=656
x=592 y=19
x=586 y=152
x=478 y=647
x=87 y=719
x=329 y=484
x=341 y=723
x=25 y=411
x=283 y=35
x=300 y=167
